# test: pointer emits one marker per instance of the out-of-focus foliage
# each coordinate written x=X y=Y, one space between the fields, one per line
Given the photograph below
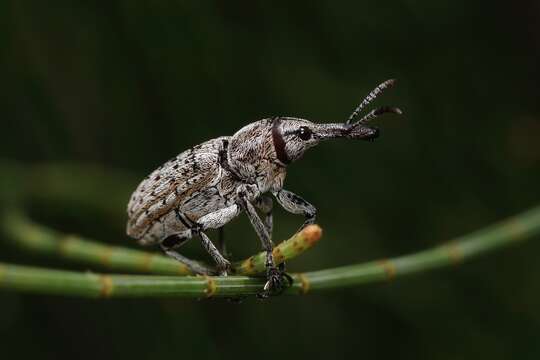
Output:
x=125 y=85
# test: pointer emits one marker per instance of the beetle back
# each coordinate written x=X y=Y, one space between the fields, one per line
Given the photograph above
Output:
x=174 y=185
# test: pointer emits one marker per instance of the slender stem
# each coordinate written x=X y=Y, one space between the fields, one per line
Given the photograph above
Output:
x=46 y=281
x=28 y=235
x=74 y=186
x=59 y=282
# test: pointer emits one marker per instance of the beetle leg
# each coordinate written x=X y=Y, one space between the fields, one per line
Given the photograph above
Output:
x=215 y=220
x=221 y=243
x=219 y=218
x=196 y=229
x=296 y=205
x=275 y=277
x=173 y=242
x=223 y=264
x=265 y=204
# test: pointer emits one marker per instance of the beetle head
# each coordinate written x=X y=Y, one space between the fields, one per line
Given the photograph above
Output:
x=292 y=137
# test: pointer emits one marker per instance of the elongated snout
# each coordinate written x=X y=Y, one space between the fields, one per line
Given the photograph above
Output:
x=364 y=133
x=346 y=131
x=358 y=129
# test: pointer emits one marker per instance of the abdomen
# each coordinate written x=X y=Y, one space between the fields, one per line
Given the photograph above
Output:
x=188 y=182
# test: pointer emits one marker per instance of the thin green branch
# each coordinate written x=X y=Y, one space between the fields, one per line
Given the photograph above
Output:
x=521 y=227
x=40 y=239
x=74 y=186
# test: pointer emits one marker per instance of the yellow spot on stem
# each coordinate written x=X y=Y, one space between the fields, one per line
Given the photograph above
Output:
x=304 y=283
x=106 y=255
x=454 y=253
x=106 y=285
x=247 y=266
x=389 y=269
x=516 y=228
x=183 y=269
x=297 y=246
x=2 y=272
x=65 y=243
x=211 y=286
x=146 y=262
x=278 y=255
x=251 y=263
x=312 y=234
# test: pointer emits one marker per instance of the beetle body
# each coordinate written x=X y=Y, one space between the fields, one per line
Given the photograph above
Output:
x=208 y=185
x=203 y=180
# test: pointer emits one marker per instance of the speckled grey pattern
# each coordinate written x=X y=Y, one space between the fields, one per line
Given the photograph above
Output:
x=208 y=185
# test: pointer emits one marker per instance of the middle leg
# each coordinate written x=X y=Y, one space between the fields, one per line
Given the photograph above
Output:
x=296 y=205
x=212 y=220
x=216 y=220
x=173 y=242
x=222 y=247
x=265 y=204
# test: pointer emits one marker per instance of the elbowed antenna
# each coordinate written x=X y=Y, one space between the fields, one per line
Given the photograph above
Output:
x=369 y=98
x=377 y=112
x=358 y=129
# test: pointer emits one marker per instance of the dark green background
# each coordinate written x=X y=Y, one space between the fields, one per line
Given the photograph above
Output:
x=129 y=84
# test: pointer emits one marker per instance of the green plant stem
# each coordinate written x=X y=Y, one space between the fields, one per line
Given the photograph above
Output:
x=69 y=187
x=521 y=227
x=40 y=239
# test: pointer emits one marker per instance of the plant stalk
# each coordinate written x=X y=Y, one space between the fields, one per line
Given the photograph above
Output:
x=46 y=281
x=39 y=239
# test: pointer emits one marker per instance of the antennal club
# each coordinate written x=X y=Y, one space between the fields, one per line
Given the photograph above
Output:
x=369 y=98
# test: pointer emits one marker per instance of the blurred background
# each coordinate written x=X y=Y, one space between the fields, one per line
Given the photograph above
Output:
x=113 y=89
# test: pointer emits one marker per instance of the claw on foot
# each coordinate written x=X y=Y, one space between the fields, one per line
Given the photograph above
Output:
x=224 y=268
x=277 y=282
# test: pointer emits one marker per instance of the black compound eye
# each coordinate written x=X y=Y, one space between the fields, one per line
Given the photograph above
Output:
x=304 y=133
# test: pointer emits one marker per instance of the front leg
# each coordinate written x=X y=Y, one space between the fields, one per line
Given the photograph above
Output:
x=265 y=204
x=296 y=205
x=275 y=277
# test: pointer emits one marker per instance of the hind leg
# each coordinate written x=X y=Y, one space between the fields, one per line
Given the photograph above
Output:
x=171 y=243
x=214 y=220
x=222 y=247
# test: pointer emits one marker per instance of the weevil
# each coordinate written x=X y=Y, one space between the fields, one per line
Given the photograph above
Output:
x=208 y=185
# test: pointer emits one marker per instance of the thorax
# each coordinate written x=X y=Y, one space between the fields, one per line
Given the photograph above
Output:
x=252 y=157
